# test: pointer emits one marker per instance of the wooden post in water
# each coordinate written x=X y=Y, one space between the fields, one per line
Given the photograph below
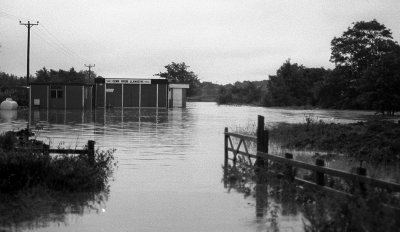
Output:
x=289 y=169
x=262 y=142
x=226 y=137
x=90 y=151
x=319 y=176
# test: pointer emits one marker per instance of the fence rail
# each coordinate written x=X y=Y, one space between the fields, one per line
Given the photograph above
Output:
x=360 y=179
x=89 y=151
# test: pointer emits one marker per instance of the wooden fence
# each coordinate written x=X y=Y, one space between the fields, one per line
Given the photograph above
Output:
x=89 y=151
x=262 y=159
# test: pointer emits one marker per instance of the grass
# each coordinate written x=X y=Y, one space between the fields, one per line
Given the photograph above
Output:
x=372 y=141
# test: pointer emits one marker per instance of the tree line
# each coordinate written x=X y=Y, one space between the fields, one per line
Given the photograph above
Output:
x=366 y=76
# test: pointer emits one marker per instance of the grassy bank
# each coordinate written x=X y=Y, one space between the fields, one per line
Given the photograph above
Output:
x=373 y=141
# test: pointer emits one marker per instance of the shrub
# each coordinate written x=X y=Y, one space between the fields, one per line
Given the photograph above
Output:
x=28 y=168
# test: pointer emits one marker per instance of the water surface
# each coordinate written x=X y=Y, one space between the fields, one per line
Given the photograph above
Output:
x=169 y=175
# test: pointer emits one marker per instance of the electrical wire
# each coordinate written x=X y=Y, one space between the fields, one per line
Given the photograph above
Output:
x=47 y=37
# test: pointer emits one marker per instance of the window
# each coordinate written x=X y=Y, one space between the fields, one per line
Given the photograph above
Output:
x=56 y=92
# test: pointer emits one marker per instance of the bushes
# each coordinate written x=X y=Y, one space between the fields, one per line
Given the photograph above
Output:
x=25 y=169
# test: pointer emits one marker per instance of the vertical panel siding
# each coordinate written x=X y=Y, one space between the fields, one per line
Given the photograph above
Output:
x=74 y=97
x=162 y=95
x=99 y=98
x=114 y=98
x=39 y=92
x=148 y=96
x=131 y=95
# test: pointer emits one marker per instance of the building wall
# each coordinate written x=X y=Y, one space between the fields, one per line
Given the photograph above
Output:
x=88 y=93
x=99 y=95
x=39 y=96
x=132 y=93
x=177 y=98
x=148 y=96
x=61 y=96
x=113 y=95
x=74 y=97
x=162 y=95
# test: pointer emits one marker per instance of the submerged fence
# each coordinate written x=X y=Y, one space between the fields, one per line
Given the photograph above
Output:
x=262 y=160
x=46 y=150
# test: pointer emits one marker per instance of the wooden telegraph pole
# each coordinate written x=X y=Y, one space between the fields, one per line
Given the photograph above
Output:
x=28 y=25
x=90 y=66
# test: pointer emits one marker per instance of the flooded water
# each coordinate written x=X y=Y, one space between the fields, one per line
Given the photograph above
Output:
x=169 y=175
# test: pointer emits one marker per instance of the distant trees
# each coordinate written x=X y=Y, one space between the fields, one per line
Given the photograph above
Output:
x=178 y=73
x=294 y=85
x=245 y=92
x=71 y=76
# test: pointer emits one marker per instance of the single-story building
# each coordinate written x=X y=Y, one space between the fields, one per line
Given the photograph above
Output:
x=128 y=92
x=109 y=93
x=60 y=96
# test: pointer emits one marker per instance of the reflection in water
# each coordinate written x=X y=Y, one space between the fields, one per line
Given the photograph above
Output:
x=278 y=199
x=8 y=115
x=38 y=208
x=169 y=167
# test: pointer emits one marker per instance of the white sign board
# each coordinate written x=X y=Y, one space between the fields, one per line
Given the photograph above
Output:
x=128 y=81
x=110 y=90
x=36 y=102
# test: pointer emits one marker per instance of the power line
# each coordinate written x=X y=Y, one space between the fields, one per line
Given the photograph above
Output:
x=12 y=17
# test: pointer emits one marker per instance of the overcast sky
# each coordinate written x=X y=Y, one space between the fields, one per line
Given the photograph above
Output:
x=222 y=41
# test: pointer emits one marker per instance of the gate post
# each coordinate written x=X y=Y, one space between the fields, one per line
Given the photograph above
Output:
x=262 y=142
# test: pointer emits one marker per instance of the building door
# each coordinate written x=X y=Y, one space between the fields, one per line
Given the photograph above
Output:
x=177 y=98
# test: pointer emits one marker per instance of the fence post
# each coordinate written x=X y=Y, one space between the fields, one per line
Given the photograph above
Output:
x=90 y=151
x=319 y=176
x=289 y=169
x=362 y=172
x=262 y=142
x=226 y=144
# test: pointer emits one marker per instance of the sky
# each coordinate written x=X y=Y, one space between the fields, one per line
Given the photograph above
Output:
x=223 y=41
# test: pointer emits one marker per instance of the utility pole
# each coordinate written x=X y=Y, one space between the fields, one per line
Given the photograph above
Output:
x=90 y=66
x=28 y=25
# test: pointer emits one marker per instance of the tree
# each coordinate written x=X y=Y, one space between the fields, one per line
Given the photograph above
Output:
x=71 y=76
x=361 y=45
x=178 y=73
x=367 y=57
x=293 y=85
x=381 y=84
